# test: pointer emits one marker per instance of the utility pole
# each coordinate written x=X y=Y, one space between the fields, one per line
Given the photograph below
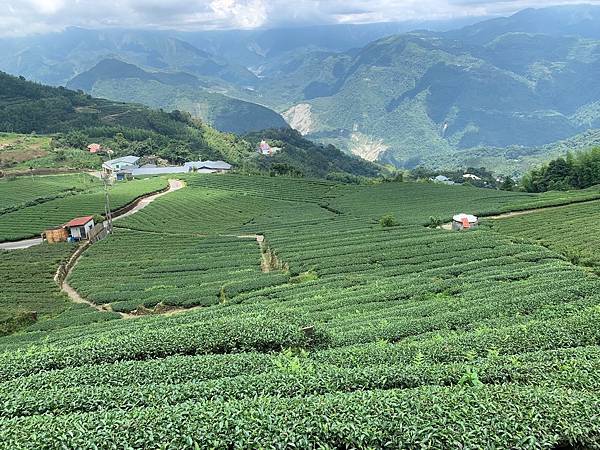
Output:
x=107 y=210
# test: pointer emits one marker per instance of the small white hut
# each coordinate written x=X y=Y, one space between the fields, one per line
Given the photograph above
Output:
x=464 y=221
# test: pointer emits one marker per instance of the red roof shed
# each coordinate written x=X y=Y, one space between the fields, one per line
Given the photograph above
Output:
x=79 y=221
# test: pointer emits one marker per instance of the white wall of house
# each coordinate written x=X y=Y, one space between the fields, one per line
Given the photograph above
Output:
x=81 y=232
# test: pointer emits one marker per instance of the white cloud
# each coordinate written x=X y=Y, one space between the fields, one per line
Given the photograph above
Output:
x=31 y=16
x=242 y=14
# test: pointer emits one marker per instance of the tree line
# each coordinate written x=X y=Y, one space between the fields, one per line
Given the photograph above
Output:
x=575 y=171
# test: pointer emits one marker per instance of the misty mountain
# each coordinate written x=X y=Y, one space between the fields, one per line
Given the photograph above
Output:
x=254 y=48
x=421 y=97
x=56 y=58
x=406 y=98
x=117 y=80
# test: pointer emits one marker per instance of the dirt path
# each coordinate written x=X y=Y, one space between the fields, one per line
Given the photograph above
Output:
x=174 y=185
x=76 y=298
x=536 y=210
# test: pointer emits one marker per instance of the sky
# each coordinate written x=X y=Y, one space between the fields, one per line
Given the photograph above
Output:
x=20 y=17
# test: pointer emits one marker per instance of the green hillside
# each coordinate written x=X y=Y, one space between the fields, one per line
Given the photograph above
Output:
x=330 y=331
x=419 y=98
x=75 y=119
x=116 y=80
x=428 y=98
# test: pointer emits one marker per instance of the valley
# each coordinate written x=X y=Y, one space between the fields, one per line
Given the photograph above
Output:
x=270 y=225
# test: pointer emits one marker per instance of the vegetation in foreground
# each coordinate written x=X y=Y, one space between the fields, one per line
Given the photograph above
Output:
x=400 y=336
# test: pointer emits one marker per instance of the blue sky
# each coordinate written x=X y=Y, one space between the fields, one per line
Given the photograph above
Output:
x=33 y=16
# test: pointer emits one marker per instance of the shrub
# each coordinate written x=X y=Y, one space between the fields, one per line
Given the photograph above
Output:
x=388 y=221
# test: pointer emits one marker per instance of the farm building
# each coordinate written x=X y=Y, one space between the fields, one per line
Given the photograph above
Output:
x=443 y=180
x=149 y=171
x=463 y=221
x=55 y=235
x=80 y=227
x=191 y=166
x=265 y=149
x=208 y=166
x=115 y=165
x=94 y=148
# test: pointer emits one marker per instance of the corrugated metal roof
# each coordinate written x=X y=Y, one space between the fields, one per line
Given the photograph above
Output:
x=460 y=217
x=79 y=221
x=217 y=165
x=140 y=171
x=124 y=159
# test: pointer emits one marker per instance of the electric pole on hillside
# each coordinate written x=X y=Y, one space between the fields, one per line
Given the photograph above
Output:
x=107 y=211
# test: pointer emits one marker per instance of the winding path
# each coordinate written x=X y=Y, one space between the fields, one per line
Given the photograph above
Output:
x=139 y=204
x=174 y=185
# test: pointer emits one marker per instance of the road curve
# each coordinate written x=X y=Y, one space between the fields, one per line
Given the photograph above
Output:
x=174 y=185
x=18 y=245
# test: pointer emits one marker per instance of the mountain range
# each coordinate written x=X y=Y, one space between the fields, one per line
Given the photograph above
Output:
x=117 y=80
x=74 y=119
x=440 y=96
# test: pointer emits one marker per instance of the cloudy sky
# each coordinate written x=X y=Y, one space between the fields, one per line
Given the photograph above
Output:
x=34 y=16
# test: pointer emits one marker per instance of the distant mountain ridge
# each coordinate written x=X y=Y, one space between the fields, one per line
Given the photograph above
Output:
x=117 y=80
x=423 y=97
x=74 y=118
x=57 y=57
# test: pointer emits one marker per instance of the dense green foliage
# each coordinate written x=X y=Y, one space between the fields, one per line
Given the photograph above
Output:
x=31 y=219
x=301 y=157
x=126 y=128
x=400 y=336
x=576 y=171
x=132 y=129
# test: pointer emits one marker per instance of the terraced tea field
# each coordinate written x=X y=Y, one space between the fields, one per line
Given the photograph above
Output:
x=22 y=192
x=572 y=230
x=29 y=297
x=360 y=336
x=31 y=220
x=174 y=272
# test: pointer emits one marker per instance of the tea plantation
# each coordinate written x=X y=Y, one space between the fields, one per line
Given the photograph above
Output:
x=314 y=326
x=46 y=202
x=573 y=230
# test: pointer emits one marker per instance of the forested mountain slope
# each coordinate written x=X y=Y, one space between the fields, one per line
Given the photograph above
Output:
x=420 y=97
x=77 y=119
x=117 y=80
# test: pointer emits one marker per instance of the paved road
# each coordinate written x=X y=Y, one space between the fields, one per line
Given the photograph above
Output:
x=20 y=244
